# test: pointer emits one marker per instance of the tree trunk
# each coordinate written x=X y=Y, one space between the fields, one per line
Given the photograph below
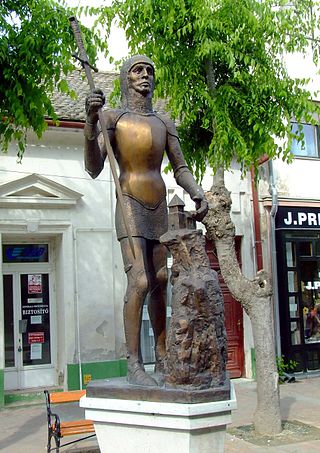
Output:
x=255 y=298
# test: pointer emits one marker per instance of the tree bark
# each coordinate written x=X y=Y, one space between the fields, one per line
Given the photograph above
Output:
x=255 y=298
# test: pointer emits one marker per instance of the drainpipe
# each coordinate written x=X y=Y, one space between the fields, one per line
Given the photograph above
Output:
x=75 y=258
x=274 y=208
x=66 y=124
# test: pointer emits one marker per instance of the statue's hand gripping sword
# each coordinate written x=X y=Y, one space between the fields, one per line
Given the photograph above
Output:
x=83 y=58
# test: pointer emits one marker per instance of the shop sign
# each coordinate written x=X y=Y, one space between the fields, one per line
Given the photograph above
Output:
x=23 y=253
x=313 y=285
x=298 y=218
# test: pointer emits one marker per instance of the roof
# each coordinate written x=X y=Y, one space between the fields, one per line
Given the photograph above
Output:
x=74 y=110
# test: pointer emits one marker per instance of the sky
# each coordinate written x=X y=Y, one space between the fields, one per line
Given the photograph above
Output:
x=118 y=47
x=297 y=66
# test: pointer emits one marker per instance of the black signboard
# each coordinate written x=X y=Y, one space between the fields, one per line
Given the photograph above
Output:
x=298 y=218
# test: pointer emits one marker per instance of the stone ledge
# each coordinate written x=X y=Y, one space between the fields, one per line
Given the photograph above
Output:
x=119 y=388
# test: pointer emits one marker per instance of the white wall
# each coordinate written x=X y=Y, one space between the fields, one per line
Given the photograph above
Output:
x=296 y=181
x=88 y=268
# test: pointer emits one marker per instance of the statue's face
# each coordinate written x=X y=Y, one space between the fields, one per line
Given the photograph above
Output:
x=141 y=78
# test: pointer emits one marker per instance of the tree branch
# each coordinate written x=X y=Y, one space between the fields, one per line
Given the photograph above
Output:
x=221 y=230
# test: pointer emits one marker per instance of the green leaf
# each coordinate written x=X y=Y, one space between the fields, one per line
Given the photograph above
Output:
x=248 y=99
x=36 y=46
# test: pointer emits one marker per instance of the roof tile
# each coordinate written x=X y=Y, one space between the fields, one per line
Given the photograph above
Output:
x=74 y=110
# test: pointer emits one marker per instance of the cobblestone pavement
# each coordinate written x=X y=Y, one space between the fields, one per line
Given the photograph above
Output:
x=23 y=429
x=298 y=402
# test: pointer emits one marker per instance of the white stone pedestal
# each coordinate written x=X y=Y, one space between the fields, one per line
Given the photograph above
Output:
x=131 y=426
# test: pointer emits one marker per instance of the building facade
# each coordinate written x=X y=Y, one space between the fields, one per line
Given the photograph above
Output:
x=296 y=250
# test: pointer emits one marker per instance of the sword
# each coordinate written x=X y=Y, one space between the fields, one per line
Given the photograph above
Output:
x=83 y=58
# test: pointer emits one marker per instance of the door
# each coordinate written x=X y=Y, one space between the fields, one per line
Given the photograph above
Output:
x=28 y=326
x=233 y=316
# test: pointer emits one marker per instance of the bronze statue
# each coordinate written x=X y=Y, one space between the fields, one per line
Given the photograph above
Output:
x=139 y=137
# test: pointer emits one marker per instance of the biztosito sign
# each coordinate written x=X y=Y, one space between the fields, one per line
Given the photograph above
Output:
x=298 y=218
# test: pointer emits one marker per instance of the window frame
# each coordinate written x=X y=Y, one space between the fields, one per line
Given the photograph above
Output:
x=316 y=142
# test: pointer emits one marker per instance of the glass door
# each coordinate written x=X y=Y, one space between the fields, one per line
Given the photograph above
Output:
x=28 y=355
x=35 y=319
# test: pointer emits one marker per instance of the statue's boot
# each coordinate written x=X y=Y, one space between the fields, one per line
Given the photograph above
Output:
x=138 y=376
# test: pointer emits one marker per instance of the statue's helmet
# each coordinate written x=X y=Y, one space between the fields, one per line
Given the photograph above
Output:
x=126 y=68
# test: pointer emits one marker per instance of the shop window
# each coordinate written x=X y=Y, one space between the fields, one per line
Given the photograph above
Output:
x=292 y=282
x=309 y=146
x=293 y=307
x=8 y=321
x=310 y=291
x=295 y=333
x=306 y=248
x=299 y=293
x=291 y=254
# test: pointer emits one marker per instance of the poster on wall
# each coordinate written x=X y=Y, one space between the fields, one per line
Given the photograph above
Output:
x=34 y=284
x=35 y=337
x=36 y=351
x=34 y=300
x=36 y=319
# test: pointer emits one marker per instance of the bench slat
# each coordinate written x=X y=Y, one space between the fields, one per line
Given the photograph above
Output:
x=77 y=423
x=79 y=427
x=76 y=427
x=76 y=432
x=66 y=397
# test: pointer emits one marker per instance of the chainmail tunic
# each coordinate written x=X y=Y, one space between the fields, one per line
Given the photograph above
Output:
x=149 y=223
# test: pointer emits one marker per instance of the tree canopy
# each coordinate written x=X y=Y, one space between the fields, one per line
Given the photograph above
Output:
x=220 y=64
x=36 y=45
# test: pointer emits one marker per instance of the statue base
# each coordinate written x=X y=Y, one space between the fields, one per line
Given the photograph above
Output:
x=119 y=388
x=127 y=424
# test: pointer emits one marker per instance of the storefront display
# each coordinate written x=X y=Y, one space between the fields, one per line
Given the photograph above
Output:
x=298 y=257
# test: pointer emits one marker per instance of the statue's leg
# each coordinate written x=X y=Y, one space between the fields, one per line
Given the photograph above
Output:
x=158 y=300
x=137 y=289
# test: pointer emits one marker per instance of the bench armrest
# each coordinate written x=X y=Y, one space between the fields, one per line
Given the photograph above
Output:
x=52 y=418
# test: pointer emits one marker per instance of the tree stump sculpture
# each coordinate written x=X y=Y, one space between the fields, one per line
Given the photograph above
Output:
x=196 y=342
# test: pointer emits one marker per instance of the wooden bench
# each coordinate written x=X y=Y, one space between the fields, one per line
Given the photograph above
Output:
x=57 y=428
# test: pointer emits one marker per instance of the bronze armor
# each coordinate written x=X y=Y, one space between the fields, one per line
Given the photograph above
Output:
x=140 y=141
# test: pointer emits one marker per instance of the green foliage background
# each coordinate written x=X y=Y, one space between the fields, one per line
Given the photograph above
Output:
x=220 y=64
x=36 y=46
